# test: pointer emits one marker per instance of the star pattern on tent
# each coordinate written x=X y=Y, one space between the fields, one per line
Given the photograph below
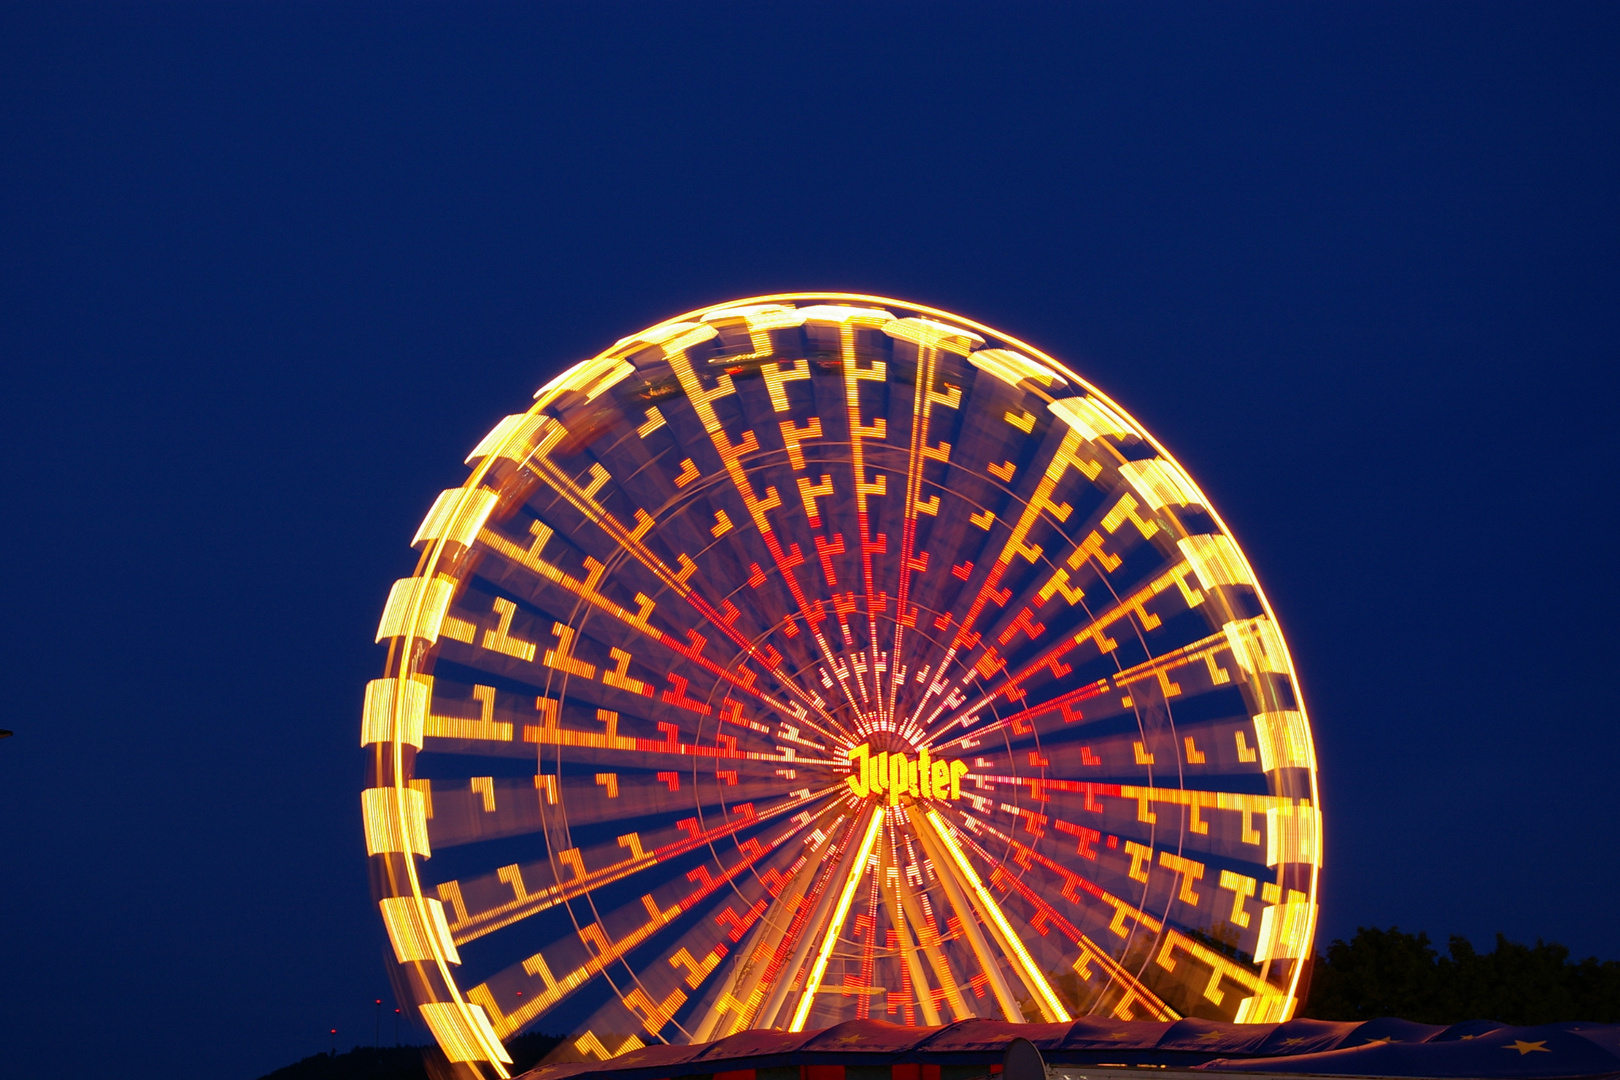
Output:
x=845 y=1040
x=1528 y=1047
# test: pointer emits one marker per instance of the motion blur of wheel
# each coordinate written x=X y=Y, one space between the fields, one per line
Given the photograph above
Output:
x=820 y=656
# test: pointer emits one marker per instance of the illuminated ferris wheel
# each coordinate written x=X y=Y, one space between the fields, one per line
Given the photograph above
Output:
x=817 y=657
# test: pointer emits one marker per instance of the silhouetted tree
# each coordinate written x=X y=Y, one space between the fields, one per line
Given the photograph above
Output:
x=1392 y=973
x=1377 y=973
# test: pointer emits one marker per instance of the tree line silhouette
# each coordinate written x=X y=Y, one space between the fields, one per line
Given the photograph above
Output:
x=1393 y=973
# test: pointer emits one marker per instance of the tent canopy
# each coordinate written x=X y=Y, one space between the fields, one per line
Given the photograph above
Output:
x=1388 y=1047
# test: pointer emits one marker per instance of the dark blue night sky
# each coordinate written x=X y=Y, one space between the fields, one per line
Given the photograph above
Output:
x=270 y=272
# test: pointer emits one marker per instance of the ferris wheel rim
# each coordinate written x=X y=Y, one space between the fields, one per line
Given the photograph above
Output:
x=430 y=557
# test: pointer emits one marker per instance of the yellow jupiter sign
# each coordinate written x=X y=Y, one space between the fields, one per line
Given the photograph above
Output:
x=893 y=774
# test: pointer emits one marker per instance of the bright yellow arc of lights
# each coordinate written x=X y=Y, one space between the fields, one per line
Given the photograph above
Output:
x=824 y=954
x=1035 y=977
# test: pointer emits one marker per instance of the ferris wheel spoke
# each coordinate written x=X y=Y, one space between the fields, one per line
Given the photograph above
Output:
x=1087 y=951
x=700 y=399
x=672 y=742
x=1021 y=723
x=1172 y=943
x=469 y=810
x=476 y=809
x=1066 y=457
x=925 y=397
x=1133 y=996
x=1239 y=820
x=1072 y=567
x=1093 y=961
x=812 y=723
x=1096 y=633
x=907 y=938
x=768 y=659
x=522 y=992
x=658 y=996
x=926 y=924
x=587 y=589
x=739 y=994
x=515 y=739
x=949 y=875
x=581 y=959
x=661 y=989
x=1187 y=672
x=928 y=340
x=593 y=868
x=964 y=883
x=852 y=875
x=1210 y=755
x=806 y=929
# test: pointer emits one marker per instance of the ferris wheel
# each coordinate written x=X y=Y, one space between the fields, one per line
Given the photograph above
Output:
x=820 y=656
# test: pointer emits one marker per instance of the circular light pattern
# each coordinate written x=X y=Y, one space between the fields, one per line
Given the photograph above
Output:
x=819 y=657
